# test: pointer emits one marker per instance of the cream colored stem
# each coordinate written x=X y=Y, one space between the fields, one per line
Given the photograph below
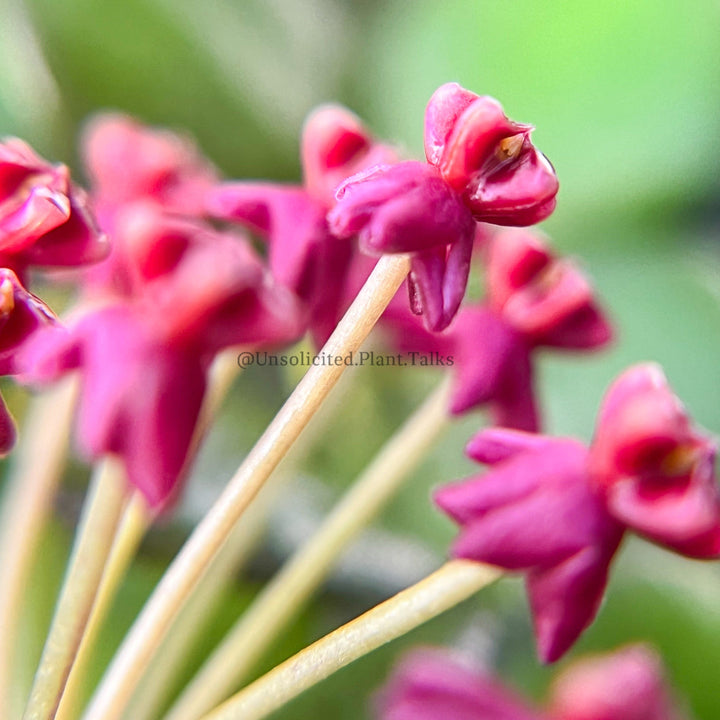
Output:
x=456 y=581
x=93 y=541
x=34 y=478
x=191 y=624
x=136 y=519
x=285 y=595
x=188 y=567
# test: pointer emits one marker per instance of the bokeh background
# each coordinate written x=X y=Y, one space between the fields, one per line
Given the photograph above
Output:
x=626 y=101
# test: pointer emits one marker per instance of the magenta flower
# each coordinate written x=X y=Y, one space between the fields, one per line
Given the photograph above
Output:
x=21 y=315
x=303 y=255
x=655 y=470
x=144 y=360
x=44 y=219
x=430 y=684
x=128 y=161
x=481 y=167
x=488 y=158
x=548 y=507
x=627 y=684
x=534 y=300
x=535 y=512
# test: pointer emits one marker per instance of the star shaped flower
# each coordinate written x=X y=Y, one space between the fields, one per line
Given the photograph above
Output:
x=557 y=510
x=480 y=166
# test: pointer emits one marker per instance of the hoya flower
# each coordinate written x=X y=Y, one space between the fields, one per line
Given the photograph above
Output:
x=128 y=161
x=656 y=470
x=303 y=255
x=44 y=219
x=627 y=684
x=480 y=167
x=535 y=512
x=21 y=314
x=143 y=361
x=488 y=158
x=430 y=683
x=546 y=507
x=138 y=174
x=534 y=299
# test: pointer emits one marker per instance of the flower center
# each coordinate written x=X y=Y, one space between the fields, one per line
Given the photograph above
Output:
x=7 y=298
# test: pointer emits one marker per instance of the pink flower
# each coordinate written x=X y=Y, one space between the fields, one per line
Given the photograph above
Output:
x=534 y=299
x=44 y=219
x=627 y=684
x=21 y=315
x=535 y=512
x=128 y=161
x=545 y=298
x=488 y=158
x=481 y=166
x=138 y=174
x=556 y=510
x=655 y=470
x=144 y=359
x=430 y=684
x=336 y=145
x=409 y=207
x=303 y=255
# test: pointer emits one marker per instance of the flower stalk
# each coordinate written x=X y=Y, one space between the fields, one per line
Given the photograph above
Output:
x=136 y=519
x=189 y=566
x=159 y=680
x=453 y=583
x=27 y=504
x=283 y=597
x=94 y=540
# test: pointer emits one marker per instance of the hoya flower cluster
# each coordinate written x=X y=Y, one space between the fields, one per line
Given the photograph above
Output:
x=165 y=254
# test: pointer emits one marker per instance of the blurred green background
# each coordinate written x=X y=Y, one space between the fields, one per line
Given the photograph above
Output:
x=626 y=101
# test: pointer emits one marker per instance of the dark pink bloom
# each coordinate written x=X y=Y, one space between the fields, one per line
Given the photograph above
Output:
x=488 y=158
x=654 y=468
x=431 y=684
x=44 y=219
x=481 y=166
x=21 y=314
x=627 y=684
x=138 y=175
x=144 y=360
x=557 y=510
x=409 y=207
x=535 y=512
x=534 y=299
x=303 y=255
x=128 y=161
x=336 y=145
x=545 y=298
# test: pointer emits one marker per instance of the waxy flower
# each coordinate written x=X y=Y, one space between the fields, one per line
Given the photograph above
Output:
x=627 y=684
x=21 y=314
x=546 y=507
x=655 y=470
x=138 y=174
x=44 y=220
x=480 y=167
x=128 y=161
x=430 y=684
x=534 y=300
x=303 y=255
x=144 y=360
x=535 y=512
